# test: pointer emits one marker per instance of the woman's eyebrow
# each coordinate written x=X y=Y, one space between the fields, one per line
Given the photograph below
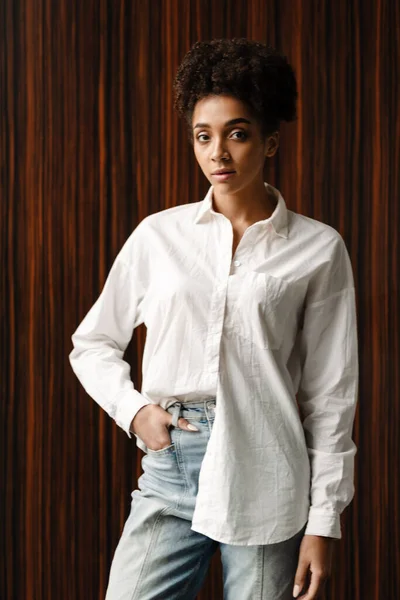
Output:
x=231 y=122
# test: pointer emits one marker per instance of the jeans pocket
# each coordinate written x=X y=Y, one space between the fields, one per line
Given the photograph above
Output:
x=170 y=449
x=162 y=451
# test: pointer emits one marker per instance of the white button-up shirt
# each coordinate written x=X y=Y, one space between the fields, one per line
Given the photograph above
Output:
x=276 y=322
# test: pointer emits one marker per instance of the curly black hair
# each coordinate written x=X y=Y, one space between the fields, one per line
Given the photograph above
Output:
x=256 y=74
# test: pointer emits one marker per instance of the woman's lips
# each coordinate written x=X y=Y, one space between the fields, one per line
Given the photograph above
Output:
x=223 y=176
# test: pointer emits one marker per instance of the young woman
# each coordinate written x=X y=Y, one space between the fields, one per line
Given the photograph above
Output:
x=250 y=368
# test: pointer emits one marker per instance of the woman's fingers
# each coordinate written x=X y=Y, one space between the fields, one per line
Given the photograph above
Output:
x=184 y=424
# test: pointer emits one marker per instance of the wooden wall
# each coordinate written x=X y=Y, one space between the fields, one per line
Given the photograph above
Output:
x=89 y=146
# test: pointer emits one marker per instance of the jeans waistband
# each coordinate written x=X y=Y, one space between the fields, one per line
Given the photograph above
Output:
x=186 y=409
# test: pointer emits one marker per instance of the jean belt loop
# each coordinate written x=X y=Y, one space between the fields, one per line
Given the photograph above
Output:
x=176 y=413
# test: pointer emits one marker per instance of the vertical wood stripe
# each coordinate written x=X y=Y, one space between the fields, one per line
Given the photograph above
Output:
x=90 y=145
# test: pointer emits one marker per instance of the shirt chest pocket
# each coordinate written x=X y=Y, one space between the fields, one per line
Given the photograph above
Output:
x=258 y=307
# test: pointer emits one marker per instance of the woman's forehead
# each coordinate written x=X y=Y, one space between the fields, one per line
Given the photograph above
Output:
x=220 y=109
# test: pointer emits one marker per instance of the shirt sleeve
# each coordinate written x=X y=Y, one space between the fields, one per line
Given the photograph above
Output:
x=101 y=338
x=328 y=390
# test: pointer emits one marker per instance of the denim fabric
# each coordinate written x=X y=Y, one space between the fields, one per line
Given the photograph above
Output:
x=159 y=557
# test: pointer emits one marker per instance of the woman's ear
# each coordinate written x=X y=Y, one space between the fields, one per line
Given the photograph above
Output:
x=272 y=144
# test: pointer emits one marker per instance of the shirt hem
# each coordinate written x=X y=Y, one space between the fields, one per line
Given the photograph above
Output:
x=259 y=541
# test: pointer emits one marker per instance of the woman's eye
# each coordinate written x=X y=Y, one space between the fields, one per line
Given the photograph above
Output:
x=242 y=134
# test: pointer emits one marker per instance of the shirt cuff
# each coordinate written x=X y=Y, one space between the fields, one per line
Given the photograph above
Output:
x=324 y=523
x=128 y=404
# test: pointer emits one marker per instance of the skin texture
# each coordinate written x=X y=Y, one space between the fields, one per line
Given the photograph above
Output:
x=314 y=566
x=151 y=423
x=243 y=200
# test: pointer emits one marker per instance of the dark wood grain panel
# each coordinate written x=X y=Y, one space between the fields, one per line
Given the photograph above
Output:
x=89 y=146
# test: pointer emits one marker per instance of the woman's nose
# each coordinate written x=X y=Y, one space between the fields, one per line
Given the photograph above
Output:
x=219 y=151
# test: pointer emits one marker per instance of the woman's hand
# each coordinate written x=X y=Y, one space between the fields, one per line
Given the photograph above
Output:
x=151 y=424
x=315 y=559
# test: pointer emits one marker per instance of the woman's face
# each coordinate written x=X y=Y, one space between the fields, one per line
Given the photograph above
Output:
x=220 y=144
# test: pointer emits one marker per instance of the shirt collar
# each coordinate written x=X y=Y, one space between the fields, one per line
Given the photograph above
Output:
x=278 y=219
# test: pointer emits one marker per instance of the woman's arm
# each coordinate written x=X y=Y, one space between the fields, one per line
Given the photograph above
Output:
x=103 y=335
x=328 y=391
x=327 y=399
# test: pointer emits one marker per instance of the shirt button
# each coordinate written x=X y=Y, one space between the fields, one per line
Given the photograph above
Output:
x=237 y=263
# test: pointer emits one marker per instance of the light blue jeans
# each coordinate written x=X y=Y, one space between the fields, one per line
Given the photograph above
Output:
x=159 y=557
